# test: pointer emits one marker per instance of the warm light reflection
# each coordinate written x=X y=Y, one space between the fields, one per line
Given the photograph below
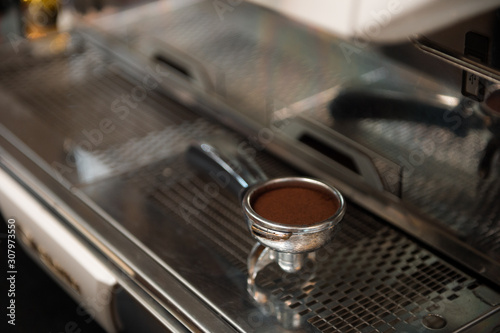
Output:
x=40 y=17
x=60 y=42
x=45 y=3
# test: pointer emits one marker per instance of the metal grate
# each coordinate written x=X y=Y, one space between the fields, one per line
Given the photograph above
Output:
x=254 y=56
x=139 y=151
x=200 y=203
x=377 y=280
x=372 y=278
x=73 y=93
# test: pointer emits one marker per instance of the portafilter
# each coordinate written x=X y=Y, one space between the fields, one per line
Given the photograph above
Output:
x=292 y=216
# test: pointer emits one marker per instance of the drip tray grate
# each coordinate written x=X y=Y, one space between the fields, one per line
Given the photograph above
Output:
x=372 y=278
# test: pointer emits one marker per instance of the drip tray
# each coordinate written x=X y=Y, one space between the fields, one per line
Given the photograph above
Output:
x=371 y=278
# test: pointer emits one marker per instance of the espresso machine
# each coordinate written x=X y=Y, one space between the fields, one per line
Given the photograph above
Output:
x=137 y=139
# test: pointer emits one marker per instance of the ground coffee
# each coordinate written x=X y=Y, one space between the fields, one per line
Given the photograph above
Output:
x=295 y=205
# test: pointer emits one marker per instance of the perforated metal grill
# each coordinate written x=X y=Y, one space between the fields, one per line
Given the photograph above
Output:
x=74 y=92
x=200 y=202
x=372 y=278
x=109 y=122
x=255 y=57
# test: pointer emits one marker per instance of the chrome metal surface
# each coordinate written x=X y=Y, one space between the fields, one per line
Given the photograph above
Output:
x=226 y=163
x=181 y=225
x=431 y=167
x=399 y=275
x=472 y=44
x=37 y=155
x=115 y=172
x=112 y=247
x=440 y=174
x=231 y=168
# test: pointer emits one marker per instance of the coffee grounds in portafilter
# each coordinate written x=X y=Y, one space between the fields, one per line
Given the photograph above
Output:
x=295 y=205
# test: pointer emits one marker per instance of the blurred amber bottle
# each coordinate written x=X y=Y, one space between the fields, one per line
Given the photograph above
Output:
x=39 y=17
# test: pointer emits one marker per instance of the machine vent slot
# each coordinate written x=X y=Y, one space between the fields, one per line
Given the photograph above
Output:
x=329 y=152
x=174 y=65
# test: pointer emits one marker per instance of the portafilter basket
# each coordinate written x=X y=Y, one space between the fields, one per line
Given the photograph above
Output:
x=242 y=175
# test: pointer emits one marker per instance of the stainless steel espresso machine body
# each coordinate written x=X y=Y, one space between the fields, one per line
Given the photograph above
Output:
x=96 y=127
